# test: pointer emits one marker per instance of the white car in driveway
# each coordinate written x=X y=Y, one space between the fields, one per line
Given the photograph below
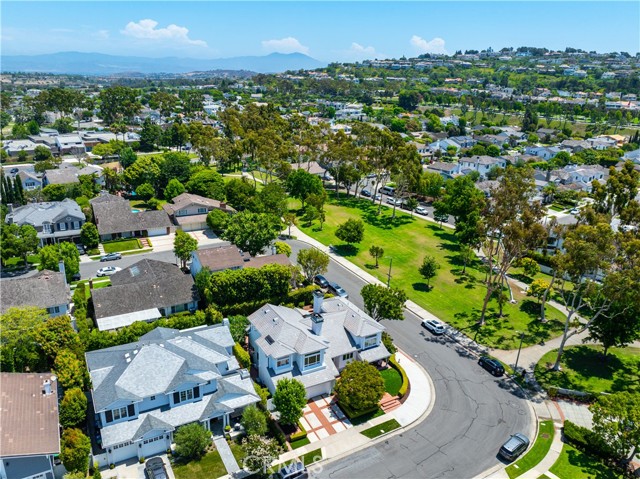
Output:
x=107 y=271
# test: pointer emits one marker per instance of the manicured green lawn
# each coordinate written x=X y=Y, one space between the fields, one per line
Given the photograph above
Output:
x=16 y=261
x=238 y=452
x=121 y=245
x=311 y=457
x=537 y=452
x=300 y=442
x=380 y=429
x=142 y=205
x=392 y=381
x=454 y=297
x=584 y=369
x=573 y=464
x=210 y=465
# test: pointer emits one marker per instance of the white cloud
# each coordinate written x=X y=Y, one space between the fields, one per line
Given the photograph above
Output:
x=285 y=45
x=432 y=46
x=102 y=34
x=358 y=49
x=146 y=29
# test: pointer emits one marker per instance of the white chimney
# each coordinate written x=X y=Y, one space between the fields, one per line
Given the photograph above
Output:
x=62 y=270
x=318 y=297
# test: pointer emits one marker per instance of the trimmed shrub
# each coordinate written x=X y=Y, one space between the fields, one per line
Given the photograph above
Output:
x=587 y=441
x=242 y=356
x=404 y=388
x=301 y=434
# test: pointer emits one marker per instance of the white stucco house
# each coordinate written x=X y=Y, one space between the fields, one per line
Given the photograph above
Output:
x=143 y=391
x=312 y=346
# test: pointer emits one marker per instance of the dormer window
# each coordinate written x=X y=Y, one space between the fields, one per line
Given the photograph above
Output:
x=282 y=362
x=370 y=341
x=311 y=359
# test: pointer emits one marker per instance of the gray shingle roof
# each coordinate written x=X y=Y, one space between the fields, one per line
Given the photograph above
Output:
x=36 y=214
x=63 y=176
x=44 y=290
x=185 y=200
x=144 y=285
x=113 y=215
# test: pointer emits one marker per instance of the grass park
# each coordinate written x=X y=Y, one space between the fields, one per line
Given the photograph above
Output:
x=537 y=452
x=573 y=464
x=453 y=296
x=584 y=368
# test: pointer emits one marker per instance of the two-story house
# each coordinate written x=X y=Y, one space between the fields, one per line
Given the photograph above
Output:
x=70 y=144
x=145 y=291
x=312 y=346
x=143 y=391
x=54 y=221
x=46 y=289
x=445 y=169
x=189 y=212
x=482 y=164
x=30 y=426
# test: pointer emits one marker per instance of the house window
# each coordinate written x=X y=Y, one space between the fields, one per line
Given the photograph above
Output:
x=119 y=413
x=53 y=309
x=62 y=226
x=370 y=341
x=311 y=359
x=46 y=227
x=202 y=210
x=282 y=362
x=347 y=357
x=124 y=444
x=153 y=439
x=186 y=395
x=152 y=398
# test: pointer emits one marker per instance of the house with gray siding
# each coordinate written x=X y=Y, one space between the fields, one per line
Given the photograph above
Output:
x=54 y=221
x=143 y=391
x=312 y=346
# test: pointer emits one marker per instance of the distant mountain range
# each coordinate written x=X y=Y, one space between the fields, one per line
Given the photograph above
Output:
x=101 y=64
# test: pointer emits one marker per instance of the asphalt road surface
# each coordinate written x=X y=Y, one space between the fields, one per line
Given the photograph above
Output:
x=474 y=413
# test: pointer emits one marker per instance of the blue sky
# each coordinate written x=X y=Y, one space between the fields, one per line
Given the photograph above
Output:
x=329 y=31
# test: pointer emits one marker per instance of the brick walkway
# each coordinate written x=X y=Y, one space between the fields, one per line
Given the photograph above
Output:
x=322 y=418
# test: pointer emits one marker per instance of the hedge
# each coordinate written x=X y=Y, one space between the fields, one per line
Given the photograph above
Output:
x=587 y=441
x=276 y=432
x=404 y=388
x=298 y=297
x=351 y=414
x=301 y=434
x=242 y=356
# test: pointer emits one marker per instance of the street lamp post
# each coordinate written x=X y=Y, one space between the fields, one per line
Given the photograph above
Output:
x=515 y=368
x=389 y=273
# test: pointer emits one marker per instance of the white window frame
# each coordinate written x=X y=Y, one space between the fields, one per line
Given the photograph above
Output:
x=202 y=210
x=186 y=395
x=119 y=413
x=307 y=359
x=62 y=226
x=348 y=356
x=281 y=362
x=370 y=341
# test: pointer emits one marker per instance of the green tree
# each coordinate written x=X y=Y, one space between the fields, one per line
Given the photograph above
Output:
x=149 y=135
x=73 y=408
x=273 y=200
x=429 y=268
x=376 y=252
x=290 y=220
x=55 y=192
x=174 y=166
x=351 y=231
x=538 y=288
x=409 y=100
x=616 y=419
x=69 y=369
x=360 y=386
x=254 y=421
x=239 y=192
x=57 y=334
x=74 y=450
x=529 y=266
x=89 y=235
x=313 y=262
x=183 y=245
x=118 y=103
x=127 y=157
x=261 y=452
x=173 y=189
x=301 y=184
x=145 y=191
x=383 y=303
x=252 y=232
x=282 y=248
x=18 y=241
x=146 y=169
x=207 y=183
x=530 y=120
x=311 y=214
x=387 y=340
x=217 y=220
x=238 y=327
x=42 y=153
x=18 y=347
x=289 y=399
x=191 y=440
x=51 y=255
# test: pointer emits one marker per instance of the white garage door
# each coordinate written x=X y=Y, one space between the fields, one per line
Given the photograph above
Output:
x=194 y=227
x=319 y=389
x=123 y=452
x=157 y=231
x=154 y=445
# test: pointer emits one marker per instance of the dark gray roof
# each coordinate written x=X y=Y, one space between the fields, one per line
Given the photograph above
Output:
x=44 y=290
x=28 y=466
x=155 y=365
x=36 y=214
x=63 y=176
x=144 y=285
x=113 y=215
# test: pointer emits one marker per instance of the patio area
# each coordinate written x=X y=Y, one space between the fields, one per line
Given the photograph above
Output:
x=322 y=418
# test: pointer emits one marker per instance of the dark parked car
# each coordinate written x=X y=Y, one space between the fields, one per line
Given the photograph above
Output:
x=515 y=445
x=321 y=281
x=155 y=469
x=365 y=193
x=338 y=290
x=111 y=257
x=491 y=365
x=14 y=171
x=81 y=249
x=76 y=277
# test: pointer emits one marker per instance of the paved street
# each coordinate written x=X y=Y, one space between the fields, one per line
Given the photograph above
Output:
x=473 y=415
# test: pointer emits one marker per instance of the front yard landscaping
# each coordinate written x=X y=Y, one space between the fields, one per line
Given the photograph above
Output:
x=210 y=465
x=116 y=246
x=392 y=380
x=381 y=429
x=573 y=464
x=585 y=369
x=311 y=457
x=537 y=452
x=454 y=297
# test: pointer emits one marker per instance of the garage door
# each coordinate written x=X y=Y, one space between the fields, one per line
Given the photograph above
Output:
x=194 y=227
x=319 y=389
x=154 y=445
x=157 y=231
x=122 y=452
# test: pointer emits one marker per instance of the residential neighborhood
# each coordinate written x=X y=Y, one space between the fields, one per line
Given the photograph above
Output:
x=319 y=261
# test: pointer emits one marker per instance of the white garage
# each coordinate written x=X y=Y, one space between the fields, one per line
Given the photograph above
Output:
x=154 y=442
x=158 y=231
x=122 y=452
x=194 y=226
x=319 y=389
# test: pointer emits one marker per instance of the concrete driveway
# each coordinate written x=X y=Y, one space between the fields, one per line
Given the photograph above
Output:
x=132 y=469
